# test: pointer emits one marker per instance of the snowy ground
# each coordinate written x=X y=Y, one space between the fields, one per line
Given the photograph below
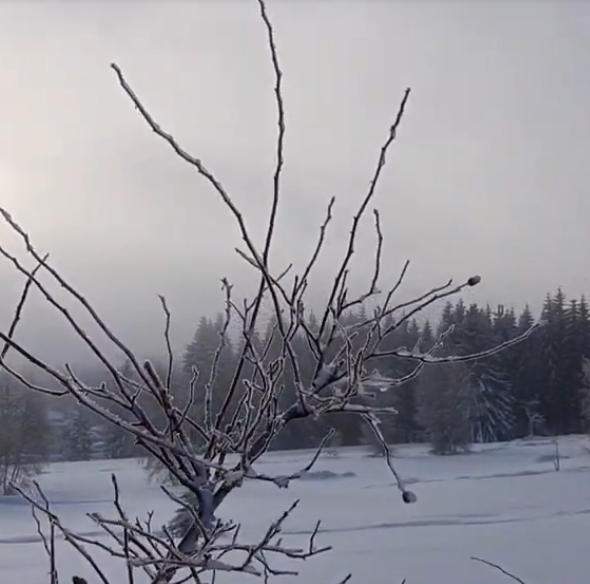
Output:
x=505 y=503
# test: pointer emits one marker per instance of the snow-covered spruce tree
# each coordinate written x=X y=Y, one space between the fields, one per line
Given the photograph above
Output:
x=232 y=444
x=492 y=398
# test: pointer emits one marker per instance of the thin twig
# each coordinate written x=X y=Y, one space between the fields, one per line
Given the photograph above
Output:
x=499 y=568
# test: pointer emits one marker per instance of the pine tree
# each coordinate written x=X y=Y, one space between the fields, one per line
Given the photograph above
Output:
x=78 y=435
x=505 y=328
x=391 y=367
x=306 y=433
x=584 y=327
x=444 y=404
x=200 y=355
x=117 y=443
x=403 y=427
x=447 y=318
x=585 y=394
x=573 y=365
x=527 y=377
x=492 y=399
x=560 y=400
x=548 y=363
x=427 y=336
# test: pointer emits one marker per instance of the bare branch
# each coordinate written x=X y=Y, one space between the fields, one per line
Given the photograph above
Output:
x=167 y=339
x=67 y=535
x=19 y=307
x=280 y=147
x=499 y=568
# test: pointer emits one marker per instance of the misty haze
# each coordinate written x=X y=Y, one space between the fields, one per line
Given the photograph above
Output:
x=488 y=175
x=268 y=251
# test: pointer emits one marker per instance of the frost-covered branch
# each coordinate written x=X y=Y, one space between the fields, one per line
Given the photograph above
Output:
x=140 y=547
x=240 y=423
x=19 y=307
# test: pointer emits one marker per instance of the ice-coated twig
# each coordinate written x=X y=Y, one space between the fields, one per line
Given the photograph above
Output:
x=283 y=481
x=373 y=422
x=170 y=353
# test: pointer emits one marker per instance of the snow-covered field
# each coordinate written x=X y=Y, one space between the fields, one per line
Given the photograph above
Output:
x=505 y=503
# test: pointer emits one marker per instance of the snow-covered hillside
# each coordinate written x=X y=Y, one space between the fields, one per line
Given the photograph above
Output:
x=504 y=503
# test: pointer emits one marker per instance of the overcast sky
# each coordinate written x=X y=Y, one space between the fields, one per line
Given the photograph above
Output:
x=489 y=175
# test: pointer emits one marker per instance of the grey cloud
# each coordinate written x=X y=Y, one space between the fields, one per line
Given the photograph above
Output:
x=489 y=174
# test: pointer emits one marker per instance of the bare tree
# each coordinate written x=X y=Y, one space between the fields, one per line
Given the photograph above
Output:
x=235 y=438
x=535 y=420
